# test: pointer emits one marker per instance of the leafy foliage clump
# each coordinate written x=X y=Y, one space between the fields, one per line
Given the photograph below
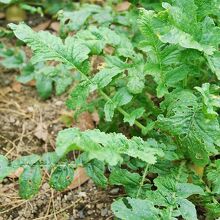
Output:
x=160 y=76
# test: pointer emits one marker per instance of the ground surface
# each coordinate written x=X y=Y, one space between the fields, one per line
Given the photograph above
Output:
x=29 y=125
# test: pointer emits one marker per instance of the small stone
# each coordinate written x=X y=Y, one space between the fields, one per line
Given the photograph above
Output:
x=58 y=103
x=12 y=120
x=114 y=191
x=82 y=194
x=81 y=214
x=89 y=212
x=100 y=205
x=104 y=212
x=71 y=218
x=30 y=109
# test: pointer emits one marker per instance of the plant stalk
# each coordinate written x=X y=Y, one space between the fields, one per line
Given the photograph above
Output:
x=142 y=180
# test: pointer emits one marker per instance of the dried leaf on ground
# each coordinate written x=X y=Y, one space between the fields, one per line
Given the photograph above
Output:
x=42 y=26
x=85 y=121
x=124 y=6
x=16 y=173
x=16 y=86
x=80 y=177
x=55 y=26
x=41 y=132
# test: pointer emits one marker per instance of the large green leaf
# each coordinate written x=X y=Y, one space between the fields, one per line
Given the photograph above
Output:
x=50 y=47
x=187 y=209
x=186 y=120
x=108 y=148
x=135 y=209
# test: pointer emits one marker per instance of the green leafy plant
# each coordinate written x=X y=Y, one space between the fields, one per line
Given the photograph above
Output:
x=162 y=81
x=45 y=75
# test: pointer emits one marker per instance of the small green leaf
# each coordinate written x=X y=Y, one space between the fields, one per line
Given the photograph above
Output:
x=214 y=63
x=214 y=176
x=12 y=58
x=44 y=86
x=30 y=181
x=104 y=76
x=96 y=170
x=78 y=96
x=121 y=97
x=62 y=177
x=211 y=101
x=137 y=113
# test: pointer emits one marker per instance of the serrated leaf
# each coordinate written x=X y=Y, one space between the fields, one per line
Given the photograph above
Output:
x=62 y=177
x=134 y=209
x=210 y=33
x=78 y=96
x=136 y=79
x=125 y=49
x=108 y=148
x=96 y=170
x=137 y=113
x=121 y=97
x=49 y=47
x=183 y=14
x=210 y=100
x=186 y=120
x=175 y=36
x=30 y=181
x=75 y=19
x=105 y=76
x=131 y=181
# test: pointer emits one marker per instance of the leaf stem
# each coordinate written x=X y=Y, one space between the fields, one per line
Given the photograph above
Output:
x=174 y=194
x=143 y=179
